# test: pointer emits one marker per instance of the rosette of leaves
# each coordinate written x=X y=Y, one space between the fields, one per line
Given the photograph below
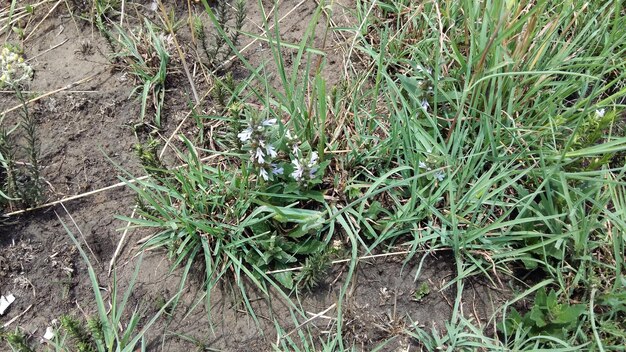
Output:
x=548 y=317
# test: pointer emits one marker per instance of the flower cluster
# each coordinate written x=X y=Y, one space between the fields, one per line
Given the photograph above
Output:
x=296 y=160
x=13 y=69
x=262 y=152
x=431 y=160
x=304 y=168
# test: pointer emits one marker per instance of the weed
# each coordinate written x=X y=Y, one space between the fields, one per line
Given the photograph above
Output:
x=218 y=51
x=103 y=332
x=148 y=156
x=146 y=53
x=313 y=271
x=17 y=341
x=546 y=317
x=21 y=182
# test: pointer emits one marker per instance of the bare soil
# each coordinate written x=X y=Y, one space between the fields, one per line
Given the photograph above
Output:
x=87 y=140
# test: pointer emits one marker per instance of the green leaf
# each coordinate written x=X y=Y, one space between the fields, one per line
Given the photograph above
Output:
x=541 y=299
x=285 y=279
x=537 y=317
x=570 y=314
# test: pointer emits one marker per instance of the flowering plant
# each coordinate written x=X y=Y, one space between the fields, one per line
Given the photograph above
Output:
x=13 y=68
x=274 y=158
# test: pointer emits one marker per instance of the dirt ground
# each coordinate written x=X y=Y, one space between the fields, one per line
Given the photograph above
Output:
x=87 y=139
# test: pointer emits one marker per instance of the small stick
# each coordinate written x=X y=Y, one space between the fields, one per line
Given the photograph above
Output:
x=47 y=50
x=69 y=86
x=342 y=261
x=65 y=91
x=119 y=245
x=43 y=19
x=180 y=52
x=278 y=337
x=80 y=231
x=17 y=317
x=74 y=197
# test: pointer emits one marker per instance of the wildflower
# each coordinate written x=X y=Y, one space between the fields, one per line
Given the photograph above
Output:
x=292 y=143
x=423 y=165
x=264 y=174
x=313 y=160
x=439 y=175
x=425 y=104
x=268 y=122
x=600 y=113
x=276 y=170
x=271 y=151
x=13 y=68
x=245 y=135
x=297 y=172
x=259 y=155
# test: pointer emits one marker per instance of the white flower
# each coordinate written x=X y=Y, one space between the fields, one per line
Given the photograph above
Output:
x=264 y=174
x=422 y=165
x=269 y=122
x=245 y=134
x=312 y=172
x=260 y=156
x=600 y=112
x=425 y=105
x=440 y=175
x=271 y=151
x=297 y=172
x=288 y=135
x=295 y=149
x=313 y=160
x=277 y=170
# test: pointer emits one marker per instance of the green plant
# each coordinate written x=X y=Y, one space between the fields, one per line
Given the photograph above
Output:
x=219 y=50
x=548 y=316
x=146 y=54
x=103 y=333
x=20 y=181
x=17 y=341
x=314 y=270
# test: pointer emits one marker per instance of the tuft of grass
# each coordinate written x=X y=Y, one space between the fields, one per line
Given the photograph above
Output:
x=146 y=53
x=490 y=129
x=17 y=341
x=104 y=332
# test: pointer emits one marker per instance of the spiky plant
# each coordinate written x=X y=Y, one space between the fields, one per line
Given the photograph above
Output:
x=218 y=50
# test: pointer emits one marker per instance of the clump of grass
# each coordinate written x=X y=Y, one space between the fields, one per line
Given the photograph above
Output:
x=17 y=341
x=146 y=53
x=108 y=331
x=506 y=141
